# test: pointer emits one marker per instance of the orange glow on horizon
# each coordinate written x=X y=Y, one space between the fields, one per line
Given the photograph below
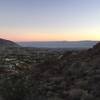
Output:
x=50 y=37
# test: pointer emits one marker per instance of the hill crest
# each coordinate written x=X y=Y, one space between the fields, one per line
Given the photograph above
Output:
x=8 y=43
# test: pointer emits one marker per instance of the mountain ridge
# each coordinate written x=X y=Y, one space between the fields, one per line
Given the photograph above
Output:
x=7 y=43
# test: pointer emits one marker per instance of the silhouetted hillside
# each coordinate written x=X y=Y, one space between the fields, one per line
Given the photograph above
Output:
x=7 y=43
x=8 y=47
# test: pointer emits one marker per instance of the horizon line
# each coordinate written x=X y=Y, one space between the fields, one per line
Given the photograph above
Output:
x=50 y=40
x=62 y=41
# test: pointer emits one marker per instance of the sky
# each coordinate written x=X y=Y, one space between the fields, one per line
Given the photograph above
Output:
x=50 y=20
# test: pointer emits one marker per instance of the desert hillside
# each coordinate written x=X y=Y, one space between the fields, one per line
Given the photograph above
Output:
x=73 y=75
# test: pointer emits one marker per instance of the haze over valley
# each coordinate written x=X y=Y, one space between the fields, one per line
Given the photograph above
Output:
x=59 y=44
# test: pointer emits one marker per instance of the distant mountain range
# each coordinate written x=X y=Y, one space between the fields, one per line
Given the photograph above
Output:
x=59 y=44
x=49 y=44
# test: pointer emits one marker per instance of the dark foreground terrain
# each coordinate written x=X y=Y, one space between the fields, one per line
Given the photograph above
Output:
x=38 y=74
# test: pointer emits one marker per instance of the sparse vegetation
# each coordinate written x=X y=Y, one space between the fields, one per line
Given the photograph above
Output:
x=44 y=75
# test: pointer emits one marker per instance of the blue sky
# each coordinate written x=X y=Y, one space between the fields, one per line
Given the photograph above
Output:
x=44 y=20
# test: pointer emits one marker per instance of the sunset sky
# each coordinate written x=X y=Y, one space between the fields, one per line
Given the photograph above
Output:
x=50 y=20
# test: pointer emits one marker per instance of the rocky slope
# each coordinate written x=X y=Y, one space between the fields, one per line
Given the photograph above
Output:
x=73 y=76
